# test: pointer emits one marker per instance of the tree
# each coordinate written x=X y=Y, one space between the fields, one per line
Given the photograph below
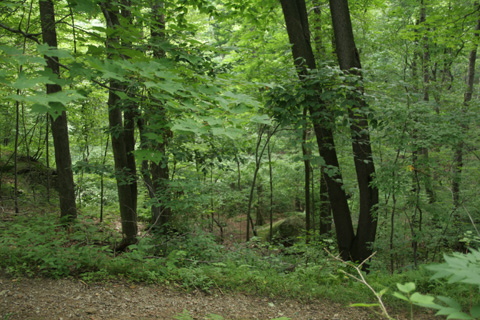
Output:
x=349 y=61
x=296 y=20
x=121 y=122
x=59 y=121
x=458 y=157
x=155 y=121
x=351 y=246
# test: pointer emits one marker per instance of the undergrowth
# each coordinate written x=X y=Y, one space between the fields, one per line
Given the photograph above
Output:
x=41 y=246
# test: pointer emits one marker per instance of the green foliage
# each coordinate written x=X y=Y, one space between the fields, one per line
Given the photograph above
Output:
x=458 y=268
x=225 y=70
x=43 y=246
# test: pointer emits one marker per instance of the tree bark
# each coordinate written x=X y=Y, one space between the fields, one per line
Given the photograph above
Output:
x=270 y=175
x=122 y=145
x=306 y=163
x=349 y=61
x=325 y=207
x=156 y=175
x=425 y=166
x=63 y=159
x=296 y=20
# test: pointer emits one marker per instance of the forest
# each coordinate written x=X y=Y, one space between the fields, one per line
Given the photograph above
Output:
x=306 y=150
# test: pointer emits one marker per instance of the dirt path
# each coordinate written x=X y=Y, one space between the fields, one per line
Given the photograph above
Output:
x=73 y=299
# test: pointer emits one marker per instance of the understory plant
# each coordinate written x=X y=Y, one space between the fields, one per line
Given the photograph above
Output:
x=458 y=268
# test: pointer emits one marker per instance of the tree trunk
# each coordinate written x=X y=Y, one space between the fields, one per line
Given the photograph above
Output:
x=458 y=157
x=121 y=142
x=325 y=207
x=296 y=20
x=258 y=161
x=425 y=165
x=349 y=61
x=59 y=124
x=156 y=175
x=306 y=163
x=270 y=175
x=259 y=220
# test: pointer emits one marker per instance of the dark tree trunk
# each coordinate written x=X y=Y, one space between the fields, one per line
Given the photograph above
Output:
x=59 y=123
x=124 y=176
x=425 y=165
x=122 y=145
x=306 y=163
x=259 y=220
x=258 y=161
x=349 y=61
x=325 y=207
x=270 y=175
x=296 y=20
x=156 y=175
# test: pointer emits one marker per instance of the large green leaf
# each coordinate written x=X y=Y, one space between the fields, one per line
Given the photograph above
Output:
x=48 y=51
x=23 y=82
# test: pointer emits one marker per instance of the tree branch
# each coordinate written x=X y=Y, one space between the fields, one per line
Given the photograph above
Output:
x=32 y=36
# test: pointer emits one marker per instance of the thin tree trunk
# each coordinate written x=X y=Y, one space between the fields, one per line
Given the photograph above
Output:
x=258 y=160
x=325 y=207
x=306 y=162
x=17 y=132
x=312 y=182
x=325 y=224
x=59 y=123
x=47 y=155
x=458 y=157
x=156 y=175
x=270 y=175
x=239 y=174
x=259 y=221
x=425 y=165
x=102 y=187
x=124 y=175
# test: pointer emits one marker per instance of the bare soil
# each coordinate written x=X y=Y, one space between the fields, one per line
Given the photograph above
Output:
x=74 y=299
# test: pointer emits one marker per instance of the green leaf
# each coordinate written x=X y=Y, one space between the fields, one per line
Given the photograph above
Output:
x=11 y=51
x=400 y=296
x=407 y=287
x=150 y=155
x=450 y=302
x=459 y=316
x=240 y=108
x=24 y=83
x=87 y=6
x=170 y=86
x=48 y=51
x=424 y=300
x=383 y=291
x=261 y=119
x=475 y=311
x=189 y=125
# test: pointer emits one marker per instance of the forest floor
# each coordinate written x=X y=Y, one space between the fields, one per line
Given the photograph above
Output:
x=41 y=298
